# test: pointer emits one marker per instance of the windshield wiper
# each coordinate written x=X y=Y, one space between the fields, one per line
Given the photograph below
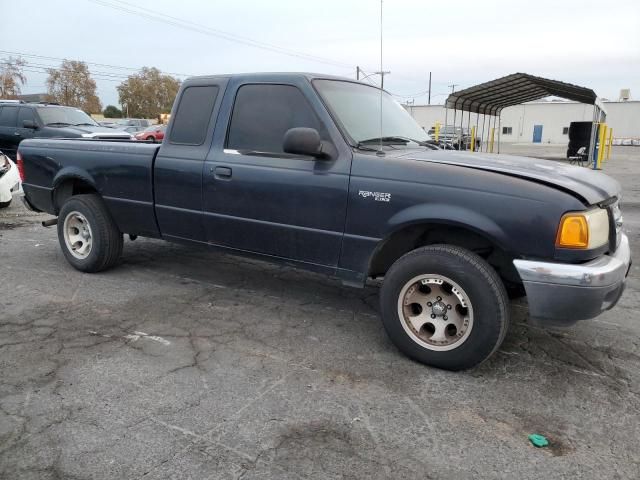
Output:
x=390 y=140
x=81 y=124
x=65 y=124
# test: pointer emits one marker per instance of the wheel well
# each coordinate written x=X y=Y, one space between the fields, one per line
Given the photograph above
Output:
x=417 y=236
x=68 y=188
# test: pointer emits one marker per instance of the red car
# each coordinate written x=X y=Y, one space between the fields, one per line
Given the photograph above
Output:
x=154 y=133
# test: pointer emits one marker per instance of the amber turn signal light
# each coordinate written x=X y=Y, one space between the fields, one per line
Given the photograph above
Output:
x=573 y=232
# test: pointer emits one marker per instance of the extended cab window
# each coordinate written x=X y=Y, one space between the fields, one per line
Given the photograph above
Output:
x=191 y=121
x=8 y=116
x=262 y=114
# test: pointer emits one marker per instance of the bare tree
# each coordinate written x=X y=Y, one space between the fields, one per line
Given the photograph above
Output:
x=72 y=85
x=11 y=77
x=148 y=93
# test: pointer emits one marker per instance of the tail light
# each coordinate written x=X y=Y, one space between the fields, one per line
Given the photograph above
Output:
x=20 y=165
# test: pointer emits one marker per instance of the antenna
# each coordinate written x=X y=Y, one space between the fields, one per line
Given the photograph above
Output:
x=380 y=152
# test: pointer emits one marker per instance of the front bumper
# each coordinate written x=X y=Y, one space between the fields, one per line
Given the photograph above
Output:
x=562 y=294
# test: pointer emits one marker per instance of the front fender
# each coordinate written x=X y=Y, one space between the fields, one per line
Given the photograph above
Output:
x=444 y=214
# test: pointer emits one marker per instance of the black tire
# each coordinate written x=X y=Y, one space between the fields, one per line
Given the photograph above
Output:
x=151 y=139
x=5 y=204
x=486 y=294
x=106 y=239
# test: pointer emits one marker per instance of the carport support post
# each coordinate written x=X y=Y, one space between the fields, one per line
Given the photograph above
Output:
x=461 y=123
x=499 y=129
x=454 y=123
x=477 y=119
x=592 y=143
x=493 y=131
x=473 y=139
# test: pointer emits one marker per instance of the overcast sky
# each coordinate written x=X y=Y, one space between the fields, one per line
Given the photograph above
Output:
x=593 y=44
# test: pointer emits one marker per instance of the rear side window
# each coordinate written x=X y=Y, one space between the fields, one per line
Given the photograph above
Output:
x=25 y=114
x=8 y=116
x=191 y=121
x=262 y=114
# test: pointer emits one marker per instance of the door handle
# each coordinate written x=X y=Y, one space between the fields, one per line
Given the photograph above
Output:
x=222 y=172
x=17 y=134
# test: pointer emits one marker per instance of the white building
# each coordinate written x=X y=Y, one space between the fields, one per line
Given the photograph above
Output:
x=517 y=123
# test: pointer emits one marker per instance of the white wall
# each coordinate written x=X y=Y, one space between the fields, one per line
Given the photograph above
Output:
x=623 y=117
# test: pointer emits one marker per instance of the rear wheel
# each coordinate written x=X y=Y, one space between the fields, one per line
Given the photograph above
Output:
x=151 y=139
x=5 y=204
x=89 y=237
x=444 y=306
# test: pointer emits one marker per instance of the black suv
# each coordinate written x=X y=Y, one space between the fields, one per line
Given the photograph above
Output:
x=19 y=120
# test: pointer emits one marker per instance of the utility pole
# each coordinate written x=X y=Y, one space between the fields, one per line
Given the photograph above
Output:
x=429 y=101
x=357 y=72
x=382 y=74
x=453 y=87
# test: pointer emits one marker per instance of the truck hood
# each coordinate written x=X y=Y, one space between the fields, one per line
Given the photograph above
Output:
x=589 y=185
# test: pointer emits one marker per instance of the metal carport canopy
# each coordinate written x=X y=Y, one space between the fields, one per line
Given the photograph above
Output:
x=491 y=97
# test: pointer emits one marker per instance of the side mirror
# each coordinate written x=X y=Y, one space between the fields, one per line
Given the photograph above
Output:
x=29 y=124
x=304 y=141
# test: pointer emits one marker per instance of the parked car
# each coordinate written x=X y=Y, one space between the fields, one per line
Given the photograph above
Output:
x=154 y=133
x=132 y=130
x=134 y=122
x=9 y=180
x=454 y=138
x=300 y=169
x=35 y=120
x=109 y=124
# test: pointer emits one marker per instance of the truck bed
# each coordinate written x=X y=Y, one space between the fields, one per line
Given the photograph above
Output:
x=120 y=171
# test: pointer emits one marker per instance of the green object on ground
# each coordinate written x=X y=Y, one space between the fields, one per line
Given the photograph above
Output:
x=538 y=440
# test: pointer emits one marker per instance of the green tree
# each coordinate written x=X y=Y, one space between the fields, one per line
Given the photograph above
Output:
x=11 y=77
x=72 y=85
x=148 y=93
x=112 y=112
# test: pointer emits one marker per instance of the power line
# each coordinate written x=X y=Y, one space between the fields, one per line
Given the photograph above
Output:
x=92 y=72
x=105 y=65
x=192 y=26
x=42 y=70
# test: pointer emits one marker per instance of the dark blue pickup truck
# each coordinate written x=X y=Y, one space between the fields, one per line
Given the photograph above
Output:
x=304 y=169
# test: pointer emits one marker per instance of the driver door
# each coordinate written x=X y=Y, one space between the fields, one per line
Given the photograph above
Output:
x=258 y=198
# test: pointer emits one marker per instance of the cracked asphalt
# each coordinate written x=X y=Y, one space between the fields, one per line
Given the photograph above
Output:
x=189 y=364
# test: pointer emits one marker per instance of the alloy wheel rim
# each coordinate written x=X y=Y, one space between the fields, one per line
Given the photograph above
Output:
x=435 y=312
x=77 y=235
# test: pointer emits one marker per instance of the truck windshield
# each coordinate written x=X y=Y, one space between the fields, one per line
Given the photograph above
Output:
x=357 y=107
x=64 y=116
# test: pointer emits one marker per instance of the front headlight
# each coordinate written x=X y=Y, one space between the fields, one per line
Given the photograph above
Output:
x=583 y=230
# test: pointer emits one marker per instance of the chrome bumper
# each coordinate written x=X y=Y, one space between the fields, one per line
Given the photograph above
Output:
x=561 y=293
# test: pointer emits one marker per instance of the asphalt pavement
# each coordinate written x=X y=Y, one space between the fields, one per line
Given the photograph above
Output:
x=185 y=363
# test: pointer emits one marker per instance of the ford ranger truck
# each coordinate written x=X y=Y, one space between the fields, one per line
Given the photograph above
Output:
x=300 y=169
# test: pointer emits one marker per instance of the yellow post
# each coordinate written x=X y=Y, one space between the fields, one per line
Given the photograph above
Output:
x=473 y=139
x=437 y=131
x=609 y=143
x=493 y=130
x=601 y=135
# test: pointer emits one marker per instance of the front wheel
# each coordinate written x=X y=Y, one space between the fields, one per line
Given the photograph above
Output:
x=5 y=204
x=89 y=237
x=444 y=306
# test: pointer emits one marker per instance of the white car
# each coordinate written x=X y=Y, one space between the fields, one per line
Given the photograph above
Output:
x=9 y=180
